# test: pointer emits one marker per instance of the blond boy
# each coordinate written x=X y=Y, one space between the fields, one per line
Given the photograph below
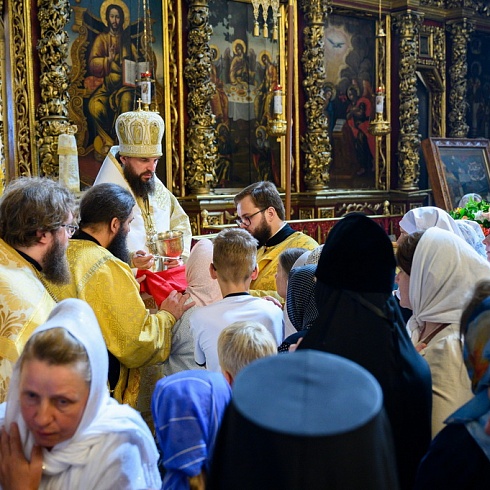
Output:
x=241 y=343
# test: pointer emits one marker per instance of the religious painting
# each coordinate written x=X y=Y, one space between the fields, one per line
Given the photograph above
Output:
x=111 y=46
x=350 y=47
x=245 y=70
x=457 y=166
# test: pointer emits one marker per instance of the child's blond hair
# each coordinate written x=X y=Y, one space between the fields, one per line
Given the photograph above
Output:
x=243 y=342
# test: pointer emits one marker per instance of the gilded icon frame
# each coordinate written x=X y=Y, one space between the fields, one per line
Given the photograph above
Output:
x=457 y=166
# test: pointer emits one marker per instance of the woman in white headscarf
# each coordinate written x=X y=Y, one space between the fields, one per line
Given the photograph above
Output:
x=437 y=271
x=203 y=290
x=421 y=219
x=59 y=427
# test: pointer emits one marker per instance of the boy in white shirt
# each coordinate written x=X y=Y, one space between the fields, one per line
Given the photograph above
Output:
x=234 y=266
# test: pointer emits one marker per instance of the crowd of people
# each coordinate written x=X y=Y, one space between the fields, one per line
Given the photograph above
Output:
x=281 y=364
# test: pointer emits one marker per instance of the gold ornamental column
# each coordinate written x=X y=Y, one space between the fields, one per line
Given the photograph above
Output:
x=201 y=147
x=408 y=25
x=316 y=142
x=459 y=31
x=52 y=112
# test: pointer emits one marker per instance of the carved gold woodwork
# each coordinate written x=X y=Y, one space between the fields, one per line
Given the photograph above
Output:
x=174 y=107
x=202 y=150
x=315 y=143
x=460 y=34
x=408 y=25
x=432 y=68
x=328 y=212
x=307 y=213
x=54 y=82
x=365 y=207
x=19 y=105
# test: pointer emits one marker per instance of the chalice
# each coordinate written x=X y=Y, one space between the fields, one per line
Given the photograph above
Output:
x=170 y=245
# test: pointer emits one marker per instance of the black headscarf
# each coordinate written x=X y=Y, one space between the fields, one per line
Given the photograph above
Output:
x=305 y=420
x=359 y=319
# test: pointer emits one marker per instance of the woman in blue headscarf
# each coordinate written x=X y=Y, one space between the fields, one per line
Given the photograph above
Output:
x=187 y=409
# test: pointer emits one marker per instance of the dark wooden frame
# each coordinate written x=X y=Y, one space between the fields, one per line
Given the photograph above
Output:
x=457 y=166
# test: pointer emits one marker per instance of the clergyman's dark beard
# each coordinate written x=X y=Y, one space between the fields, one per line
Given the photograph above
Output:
x=139 y=188
x=56 y=268
x=263 y=232
x=118 y=247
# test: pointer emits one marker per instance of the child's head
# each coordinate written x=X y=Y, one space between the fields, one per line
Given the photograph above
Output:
x=234 y=255
x=287 y=258
x=241 y=343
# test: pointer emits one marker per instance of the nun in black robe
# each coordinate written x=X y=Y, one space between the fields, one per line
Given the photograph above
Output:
x=304 y=420
x=359 y=319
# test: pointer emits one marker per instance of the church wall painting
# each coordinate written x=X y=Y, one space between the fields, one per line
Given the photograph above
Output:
x=101 y=84
x=350 y=44
x=245 y=69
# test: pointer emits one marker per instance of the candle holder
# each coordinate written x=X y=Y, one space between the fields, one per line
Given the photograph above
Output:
x=277 y=126
x=145 y=85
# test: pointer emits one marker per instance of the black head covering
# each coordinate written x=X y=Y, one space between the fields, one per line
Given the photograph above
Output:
x=358 y=256
x=359 y=319
x=305 y=420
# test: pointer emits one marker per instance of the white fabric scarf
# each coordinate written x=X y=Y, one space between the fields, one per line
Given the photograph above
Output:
x=102 y=414
x=421 y=219
x=444 y=272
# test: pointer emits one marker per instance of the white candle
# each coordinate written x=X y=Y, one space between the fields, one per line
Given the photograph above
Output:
x=380 y=101
x=145 y=91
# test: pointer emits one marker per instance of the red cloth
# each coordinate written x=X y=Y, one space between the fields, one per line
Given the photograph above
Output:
x=161 y=284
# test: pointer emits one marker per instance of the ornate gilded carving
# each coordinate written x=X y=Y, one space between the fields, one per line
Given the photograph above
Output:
x=408 y=25
x=19 y=107
x=54 y=81
x=460 y=34
x=315 y=143
x=438 y=107
x=173 y=104
x=202 y=150
x=365 y=207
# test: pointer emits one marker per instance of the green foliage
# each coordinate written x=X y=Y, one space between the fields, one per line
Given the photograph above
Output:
x=473 y=211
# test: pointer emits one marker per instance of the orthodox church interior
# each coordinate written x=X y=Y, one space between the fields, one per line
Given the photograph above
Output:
x=372 y=106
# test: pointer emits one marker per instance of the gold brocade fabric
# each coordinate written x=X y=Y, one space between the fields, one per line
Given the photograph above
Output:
x=268 y=258
x=133 y=335
x=24 y=305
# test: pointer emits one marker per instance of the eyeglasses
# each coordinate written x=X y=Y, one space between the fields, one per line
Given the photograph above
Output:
x=70 y=229
x=247 y=220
